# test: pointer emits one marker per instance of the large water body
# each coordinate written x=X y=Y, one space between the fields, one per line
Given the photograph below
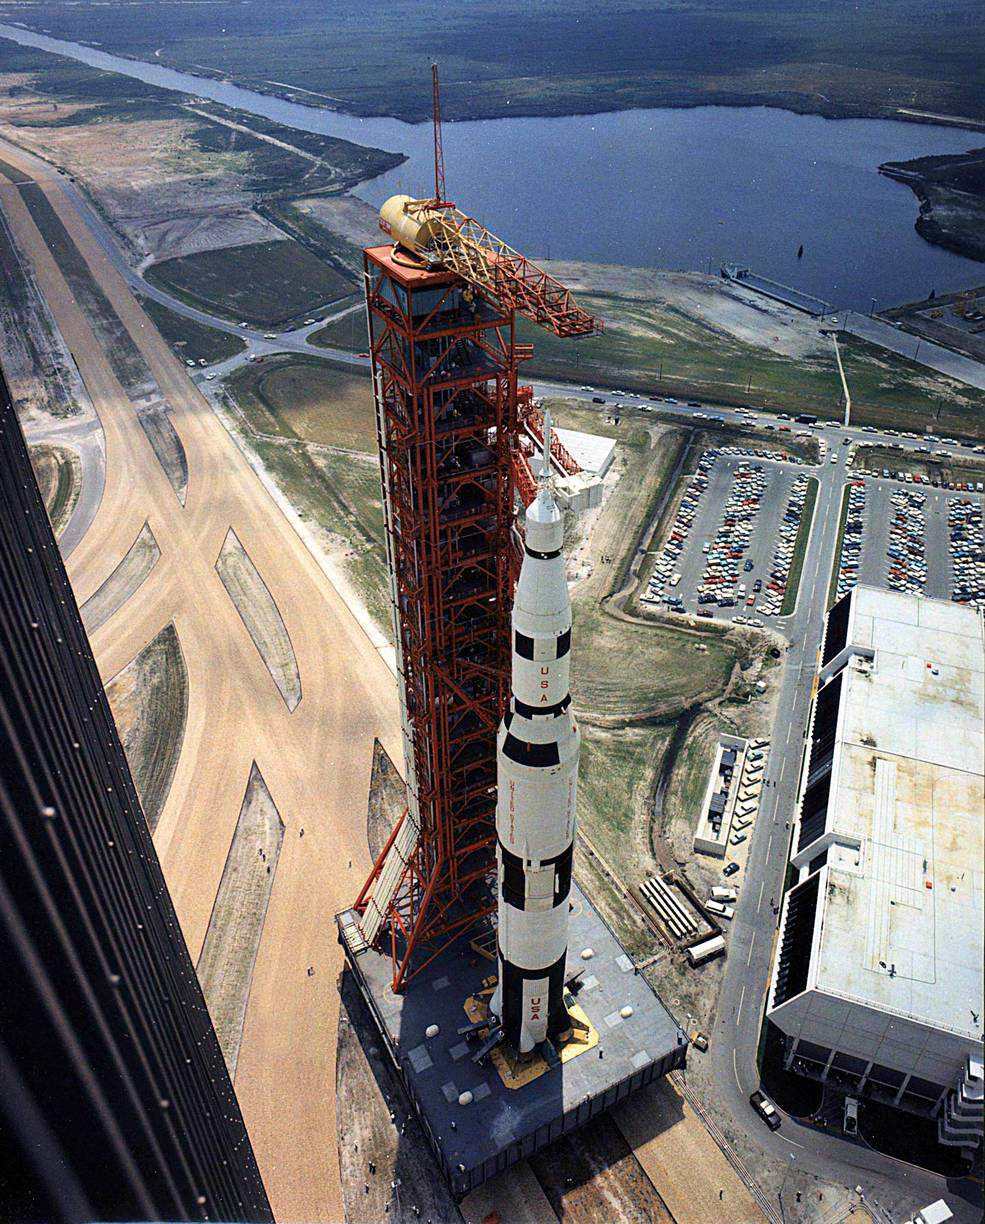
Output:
x=679 y=189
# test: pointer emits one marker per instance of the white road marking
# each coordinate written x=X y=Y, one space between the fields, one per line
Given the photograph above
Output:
x=783 y=767
x=769 y=845
x=738 y=1014
x=759 y=903
x=735 y=1071
x=796 y=1144
x=752 y=944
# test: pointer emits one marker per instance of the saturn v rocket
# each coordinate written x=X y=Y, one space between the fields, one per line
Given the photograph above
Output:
x=537 y=773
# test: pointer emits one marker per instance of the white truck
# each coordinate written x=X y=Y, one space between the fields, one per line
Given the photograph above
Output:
x=705 y=950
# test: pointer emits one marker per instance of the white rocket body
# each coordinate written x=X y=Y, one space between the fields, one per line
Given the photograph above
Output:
x=537 y=773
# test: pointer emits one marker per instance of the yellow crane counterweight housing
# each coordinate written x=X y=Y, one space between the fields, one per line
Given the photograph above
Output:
x=443 y=236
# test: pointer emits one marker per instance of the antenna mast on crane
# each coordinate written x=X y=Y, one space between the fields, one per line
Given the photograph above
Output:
x=439 y=155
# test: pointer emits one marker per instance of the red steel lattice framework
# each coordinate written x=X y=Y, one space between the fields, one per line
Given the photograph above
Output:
x=444 y=370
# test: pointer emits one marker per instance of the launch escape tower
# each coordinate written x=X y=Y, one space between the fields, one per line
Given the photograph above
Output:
x=441 y=305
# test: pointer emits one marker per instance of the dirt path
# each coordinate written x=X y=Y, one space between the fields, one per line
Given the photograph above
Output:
x=313 y=761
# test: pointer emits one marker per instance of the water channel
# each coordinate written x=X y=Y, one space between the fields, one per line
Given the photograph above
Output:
x=681 y=189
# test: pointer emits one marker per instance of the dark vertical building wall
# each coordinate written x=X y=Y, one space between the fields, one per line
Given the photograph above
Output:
x=115 y=1102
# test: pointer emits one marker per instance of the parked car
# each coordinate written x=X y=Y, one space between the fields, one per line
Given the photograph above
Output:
x=766 y=1109
x=730 y=870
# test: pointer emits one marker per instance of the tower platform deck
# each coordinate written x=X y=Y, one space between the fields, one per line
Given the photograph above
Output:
x=501 y=1125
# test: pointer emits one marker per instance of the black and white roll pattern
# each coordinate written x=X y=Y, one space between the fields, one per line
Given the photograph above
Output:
x=537 y=779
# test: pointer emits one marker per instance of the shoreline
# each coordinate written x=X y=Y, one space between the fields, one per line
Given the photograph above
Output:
x=666 y=97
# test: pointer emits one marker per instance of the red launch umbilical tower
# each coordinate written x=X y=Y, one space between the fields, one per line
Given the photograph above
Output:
x=441 y=305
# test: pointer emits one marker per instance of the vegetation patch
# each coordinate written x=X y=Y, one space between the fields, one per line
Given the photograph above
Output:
x=891 y=392
x=225 y=967
x=141 y=558
x=310 y=399
x=192 y=341
x=264 y=283
x=836 y=563
x=58 y=470
x=628 y=669
x=688 y=782
x=809 y=57
x=170 y=453
x=115 y=341
x=799 y=549
x=616 y=777
x=261 y=616
x=149 y=698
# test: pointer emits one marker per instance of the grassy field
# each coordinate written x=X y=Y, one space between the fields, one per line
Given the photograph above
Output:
x=799 y=549
x=128 y=365
x=191 y=340
x=655 y=349
x=347 y=333
x=310 y=399
x=891 y=392
x=59 y=475
x=811 y=56
x=321 y=242
x=265 y=283
x=622 y=669
x=15 y=175
x=615 y=779
x=149 y=698
x=689 y=778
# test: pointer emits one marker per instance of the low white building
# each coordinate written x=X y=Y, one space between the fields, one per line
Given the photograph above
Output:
x=877 y=983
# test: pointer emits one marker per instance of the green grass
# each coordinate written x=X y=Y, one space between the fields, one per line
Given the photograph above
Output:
x=58 y=471
x=623 y=669
x=799 y=549
x=310 y=233
x=264 y=283
x=891 y=392
x=128 y=365
x=340 y=500
x=836 y=564
x=615 y=771
x=348 y=333
x=308 y=398
x=653 y=349
x=191 y=340
x=689 y=778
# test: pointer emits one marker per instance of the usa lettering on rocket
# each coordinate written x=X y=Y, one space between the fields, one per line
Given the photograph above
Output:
x=537 y=774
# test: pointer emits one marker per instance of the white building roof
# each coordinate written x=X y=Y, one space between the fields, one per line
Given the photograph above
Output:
x=902 y=914
x=591 y=452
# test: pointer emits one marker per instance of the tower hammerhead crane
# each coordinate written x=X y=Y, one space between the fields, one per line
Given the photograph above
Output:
x=441 y=306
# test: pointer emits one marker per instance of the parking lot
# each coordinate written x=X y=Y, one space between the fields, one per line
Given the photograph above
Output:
x=729 y=548
x=918 y=539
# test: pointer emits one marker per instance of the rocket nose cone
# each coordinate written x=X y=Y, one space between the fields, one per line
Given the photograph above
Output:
x=544 y=525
